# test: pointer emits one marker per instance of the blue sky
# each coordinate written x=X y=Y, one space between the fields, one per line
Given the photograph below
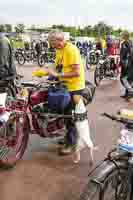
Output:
x=69 y=12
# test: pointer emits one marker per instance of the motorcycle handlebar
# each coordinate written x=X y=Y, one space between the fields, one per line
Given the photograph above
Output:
x=112 y=117
x=118 y=119
x=42 y=84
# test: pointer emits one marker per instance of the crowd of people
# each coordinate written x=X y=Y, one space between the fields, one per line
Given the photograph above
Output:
x=126 y=59
x=105 y=45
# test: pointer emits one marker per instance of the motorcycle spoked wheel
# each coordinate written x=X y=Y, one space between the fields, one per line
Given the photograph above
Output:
x=98 y=75
x=21 y=60
x=13 y=140
x=41 y=60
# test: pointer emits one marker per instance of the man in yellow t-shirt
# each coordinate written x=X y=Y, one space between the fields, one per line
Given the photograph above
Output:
x=68 y=56
x=68 y=60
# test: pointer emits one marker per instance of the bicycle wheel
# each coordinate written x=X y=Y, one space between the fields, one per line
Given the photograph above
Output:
x=114 y=187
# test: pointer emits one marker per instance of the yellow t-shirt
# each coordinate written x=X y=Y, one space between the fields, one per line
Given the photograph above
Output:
x=69 y=56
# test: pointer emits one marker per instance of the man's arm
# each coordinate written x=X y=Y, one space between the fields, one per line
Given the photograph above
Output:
x=75 y=72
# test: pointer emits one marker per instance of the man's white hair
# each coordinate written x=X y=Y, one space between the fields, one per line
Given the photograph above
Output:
x=56 y=34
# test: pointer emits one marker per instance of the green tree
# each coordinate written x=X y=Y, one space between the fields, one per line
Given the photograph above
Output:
x=8 y=28
x=32 y=28
x=20 y=28
x=117 y=32
x=87 y=30
x=101 y=29
x=2 y=28
x=60 y=27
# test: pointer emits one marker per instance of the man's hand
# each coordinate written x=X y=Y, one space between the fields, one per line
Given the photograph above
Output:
x=51 y=72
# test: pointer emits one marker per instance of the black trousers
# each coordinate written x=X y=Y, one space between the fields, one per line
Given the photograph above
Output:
x=72 y=135
x=126 y=77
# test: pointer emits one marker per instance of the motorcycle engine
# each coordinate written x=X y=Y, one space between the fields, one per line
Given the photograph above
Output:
x=38 y=109
x=47 y=126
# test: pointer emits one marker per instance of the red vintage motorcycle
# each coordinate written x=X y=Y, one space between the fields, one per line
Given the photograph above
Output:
x=29 y=113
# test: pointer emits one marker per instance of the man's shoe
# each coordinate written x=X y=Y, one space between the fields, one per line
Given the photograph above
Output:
x=66 y=151
x=61 y=142
x=124 y=96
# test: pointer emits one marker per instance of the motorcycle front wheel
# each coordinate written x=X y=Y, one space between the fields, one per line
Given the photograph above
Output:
x=41 y=60
x=21 y=59
x=13 y=141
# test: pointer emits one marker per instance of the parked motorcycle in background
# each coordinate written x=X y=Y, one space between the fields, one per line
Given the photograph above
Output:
x=46 y=56
x=106 y=68
x=92 y=58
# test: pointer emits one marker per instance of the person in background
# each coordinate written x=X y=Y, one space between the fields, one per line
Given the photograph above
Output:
x=90 y=45
x=125 y=58
x=7 y=66
x=99 y=45
x=109 y=44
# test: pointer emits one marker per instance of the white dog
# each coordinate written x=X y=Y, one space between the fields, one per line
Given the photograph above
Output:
x=84 y=139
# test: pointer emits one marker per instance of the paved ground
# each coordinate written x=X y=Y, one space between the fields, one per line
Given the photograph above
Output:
x=42 y=174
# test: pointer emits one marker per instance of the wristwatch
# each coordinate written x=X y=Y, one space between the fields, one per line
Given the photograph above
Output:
x=61 y=74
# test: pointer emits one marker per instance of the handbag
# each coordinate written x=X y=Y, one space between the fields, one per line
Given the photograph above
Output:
x=58 y=98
